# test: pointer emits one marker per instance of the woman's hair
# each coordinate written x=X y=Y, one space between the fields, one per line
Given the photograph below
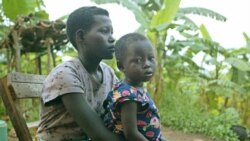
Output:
x=123 y=43
x=82 y=18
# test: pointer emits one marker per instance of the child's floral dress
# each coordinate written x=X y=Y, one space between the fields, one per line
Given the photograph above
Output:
x=148 y=120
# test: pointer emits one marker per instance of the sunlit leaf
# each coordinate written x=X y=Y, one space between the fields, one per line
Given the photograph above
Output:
x=167 y=14
x=238 y=63
x=239 y=51
x=203 y=12
x=42 y=14
x=14 y=8
x=105 y=1
x=131 y=5
x=3 y=31
x=247 y=38
x=139 y=15
x=165 y=26
x=188 y=22
x=204 y=32
x=213 y=61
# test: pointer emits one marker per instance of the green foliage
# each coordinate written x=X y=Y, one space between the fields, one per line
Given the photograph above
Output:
x=203 y=12
x=239 y=63
x=187 y=93
x=14 y=8
x=247 y=38
x=179 y=112
x=166 y=14
x=131 y=5
x=41 y=14
x=3 y=31
x=205 y=97
x=205 y=33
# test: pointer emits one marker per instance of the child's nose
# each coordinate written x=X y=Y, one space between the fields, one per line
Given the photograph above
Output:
x=147 y=63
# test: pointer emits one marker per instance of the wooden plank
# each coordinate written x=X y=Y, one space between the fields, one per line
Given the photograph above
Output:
x=26 y=85
x=27 y=90
x=19 y=85
x=33 y=124
x=14 y=112
x=27 y=78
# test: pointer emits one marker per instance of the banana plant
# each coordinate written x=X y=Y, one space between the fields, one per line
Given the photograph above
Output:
x=177 y=72
x=157 y=18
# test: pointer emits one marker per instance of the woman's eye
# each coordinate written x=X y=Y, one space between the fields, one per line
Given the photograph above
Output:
x=105 y=30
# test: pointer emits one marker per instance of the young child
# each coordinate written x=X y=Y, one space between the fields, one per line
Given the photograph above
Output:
x=129 y=109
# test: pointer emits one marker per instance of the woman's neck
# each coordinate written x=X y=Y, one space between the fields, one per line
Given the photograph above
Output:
x=91 y=65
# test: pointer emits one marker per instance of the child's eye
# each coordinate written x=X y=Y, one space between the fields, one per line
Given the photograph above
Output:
x=152 y=58
x=138 y=60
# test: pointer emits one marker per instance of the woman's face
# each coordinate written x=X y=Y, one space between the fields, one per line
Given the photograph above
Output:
x=99 y=41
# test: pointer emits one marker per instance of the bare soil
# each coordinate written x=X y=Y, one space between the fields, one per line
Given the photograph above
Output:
x=180 y=136
x=171 y=135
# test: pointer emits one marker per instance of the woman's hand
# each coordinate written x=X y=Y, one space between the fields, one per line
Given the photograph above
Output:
x=86 y=117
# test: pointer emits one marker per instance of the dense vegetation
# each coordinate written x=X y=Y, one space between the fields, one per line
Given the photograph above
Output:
x=206 y=97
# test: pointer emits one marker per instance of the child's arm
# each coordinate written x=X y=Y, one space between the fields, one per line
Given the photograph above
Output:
x=129 y=122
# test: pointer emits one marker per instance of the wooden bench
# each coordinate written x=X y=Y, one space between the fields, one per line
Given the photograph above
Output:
x=16 y=86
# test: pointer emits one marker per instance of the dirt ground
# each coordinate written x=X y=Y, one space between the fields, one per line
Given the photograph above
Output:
x=180 y=136
x=170 y=134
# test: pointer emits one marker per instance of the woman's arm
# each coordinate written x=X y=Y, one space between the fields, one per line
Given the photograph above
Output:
x=129 y=122
x=87 y=118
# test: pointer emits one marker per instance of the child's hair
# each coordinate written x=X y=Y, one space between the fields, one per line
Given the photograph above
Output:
x=122 y=44
x=82 y=18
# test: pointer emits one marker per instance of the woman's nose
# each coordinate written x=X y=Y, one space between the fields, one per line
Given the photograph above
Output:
x=111 y=39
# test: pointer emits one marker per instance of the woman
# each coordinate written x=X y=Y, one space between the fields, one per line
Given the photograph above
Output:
x=74 y=91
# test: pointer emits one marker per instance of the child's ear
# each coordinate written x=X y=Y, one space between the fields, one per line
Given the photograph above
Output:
x=119 y=65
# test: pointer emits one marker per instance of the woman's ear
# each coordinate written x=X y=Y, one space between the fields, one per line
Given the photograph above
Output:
x=80 y=34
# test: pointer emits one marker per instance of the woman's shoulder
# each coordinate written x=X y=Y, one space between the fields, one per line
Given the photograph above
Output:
x=71 y=63
x=71 y=66
x=108 y=71
x=105 y=66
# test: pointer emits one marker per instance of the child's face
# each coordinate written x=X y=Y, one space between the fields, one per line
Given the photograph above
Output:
x=139 y=62
x=99 y=39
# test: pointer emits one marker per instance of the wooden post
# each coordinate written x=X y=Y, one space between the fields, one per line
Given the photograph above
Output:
x=48 y=43
x=17 y=48
x=17 y=120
